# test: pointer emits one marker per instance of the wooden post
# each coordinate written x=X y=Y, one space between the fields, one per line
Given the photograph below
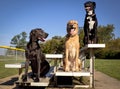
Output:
x=92 y=58
x=92 y=67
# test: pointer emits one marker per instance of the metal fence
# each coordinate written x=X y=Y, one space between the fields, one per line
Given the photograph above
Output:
x=7 y=52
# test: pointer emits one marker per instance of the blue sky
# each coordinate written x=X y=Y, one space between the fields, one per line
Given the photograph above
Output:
x=17 y=16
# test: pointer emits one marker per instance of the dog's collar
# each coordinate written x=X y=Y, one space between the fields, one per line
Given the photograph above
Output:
x=91 y=15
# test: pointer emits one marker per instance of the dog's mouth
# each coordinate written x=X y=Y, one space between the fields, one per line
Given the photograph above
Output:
x=41 y=39
x=88 y=8
x=72 y=31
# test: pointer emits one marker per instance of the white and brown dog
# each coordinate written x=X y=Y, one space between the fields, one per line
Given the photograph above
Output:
x=72 y=46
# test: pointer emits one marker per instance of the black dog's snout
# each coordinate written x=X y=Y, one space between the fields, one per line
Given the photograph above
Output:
x=47 y=35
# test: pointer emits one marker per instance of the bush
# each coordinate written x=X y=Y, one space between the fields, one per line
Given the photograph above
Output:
x=107 y=54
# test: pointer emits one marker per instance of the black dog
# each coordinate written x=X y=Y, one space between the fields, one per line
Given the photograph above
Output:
x=90 y=23
x=34 y=56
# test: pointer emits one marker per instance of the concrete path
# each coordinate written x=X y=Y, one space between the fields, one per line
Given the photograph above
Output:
x=103 y=81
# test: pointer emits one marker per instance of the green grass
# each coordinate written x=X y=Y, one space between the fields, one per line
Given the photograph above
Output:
x=5 y=72
x=109 y=67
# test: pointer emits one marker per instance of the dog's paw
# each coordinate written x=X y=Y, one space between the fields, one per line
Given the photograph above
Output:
x=67 y=69
x=24 y=78
x=77 y=69
x=32 y=76
x=80 y=69
x=73 y=70
x=36 y=79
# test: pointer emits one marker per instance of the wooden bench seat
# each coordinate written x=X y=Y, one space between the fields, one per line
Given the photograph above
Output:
x=16 y=65
x=19 y=66
x=44 y=81
x=77 y=74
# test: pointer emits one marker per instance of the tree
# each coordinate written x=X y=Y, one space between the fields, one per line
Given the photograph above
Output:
x=81 y=36
x=55 y=45
x=111 y=51
x=19 y=40
x=105 y=33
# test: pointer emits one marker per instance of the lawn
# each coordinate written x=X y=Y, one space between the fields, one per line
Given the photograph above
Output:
x=5 y=72
x=109 y=67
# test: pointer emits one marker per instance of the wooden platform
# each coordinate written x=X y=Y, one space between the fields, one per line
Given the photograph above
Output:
x=18 y=66
x=53 y=56
x=61 y=72
x=95 y=46
x=72 y=74
x=65 y=79
x=30 y=82
x=44 y=81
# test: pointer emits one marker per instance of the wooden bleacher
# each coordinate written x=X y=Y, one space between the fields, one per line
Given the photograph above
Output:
x=43 y=81
x=90 y=73
x=57 y=70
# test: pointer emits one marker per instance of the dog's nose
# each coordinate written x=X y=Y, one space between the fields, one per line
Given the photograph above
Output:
x=47 y=35
x=71 y=27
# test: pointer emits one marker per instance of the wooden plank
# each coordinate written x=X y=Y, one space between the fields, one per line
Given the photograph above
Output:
x=92 y=46
x=30 y=82
x=54 y=55
x=92 y=67
x=17 y=65
x=82 y=86
x=43 y=82
x=96 y=45
x=74 y=86
x=61 y=72
x=72 y=74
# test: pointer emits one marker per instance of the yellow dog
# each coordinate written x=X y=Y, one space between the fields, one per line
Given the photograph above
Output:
x=71 y=60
